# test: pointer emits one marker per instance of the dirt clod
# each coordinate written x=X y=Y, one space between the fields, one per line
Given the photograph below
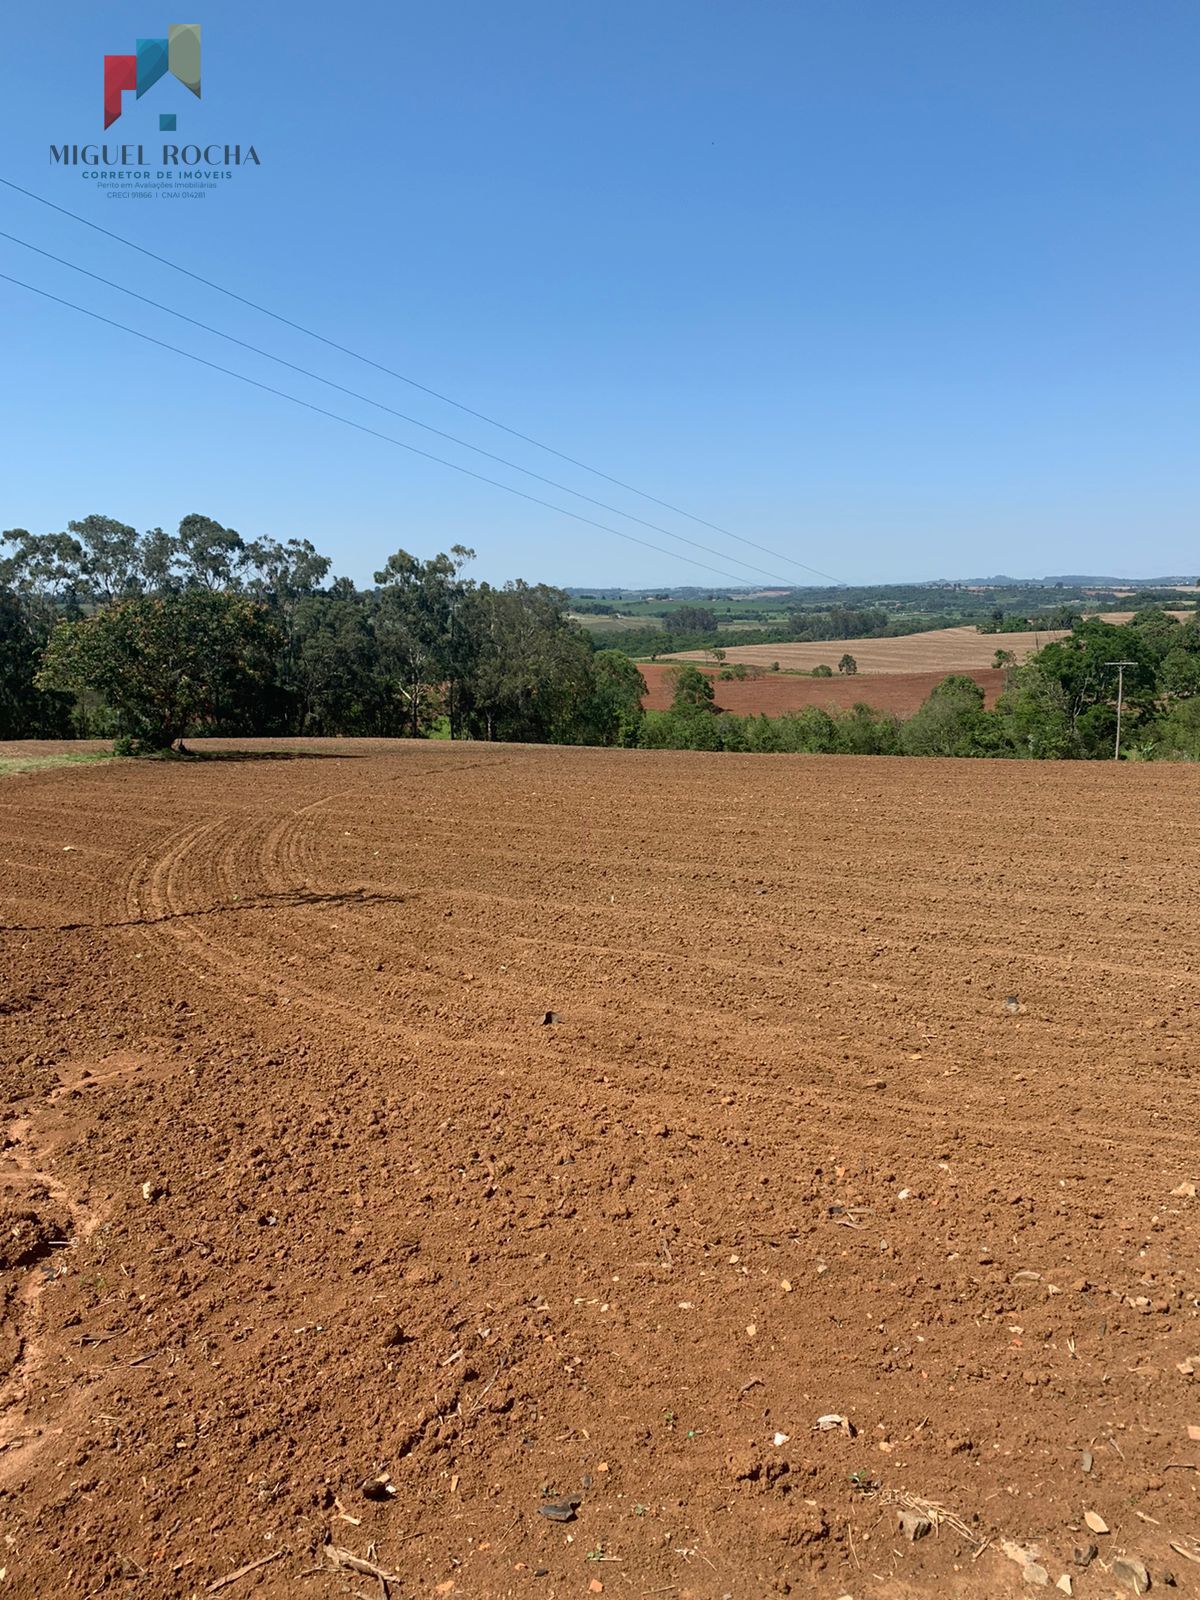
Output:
x=26 y=1236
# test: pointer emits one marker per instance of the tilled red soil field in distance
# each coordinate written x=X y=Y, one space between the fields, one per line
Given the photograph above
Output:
x=901 y=693
x=568 y=1141
x=941 y=651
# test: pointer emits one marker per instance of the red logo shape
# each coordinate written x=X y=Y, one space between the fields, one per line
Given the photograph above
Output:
x=120 y=72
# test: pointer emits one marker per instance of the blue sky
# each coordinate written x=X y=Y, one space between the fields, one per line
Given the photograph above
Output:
x=896 y=288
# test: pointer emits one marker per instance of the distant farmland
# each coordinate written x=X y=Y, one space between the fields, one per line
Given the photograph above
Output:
x=774 y=693
x=629 y=622
x=941 y=651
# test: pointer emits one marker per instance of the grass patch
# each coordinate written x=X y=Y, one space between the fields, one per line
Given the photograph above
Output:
x=21 y=763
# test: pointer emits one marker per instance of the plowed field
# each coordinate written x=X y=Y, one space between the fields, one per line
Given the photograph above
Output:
x=941 y=651
x=774 y=693
x=304 y=1194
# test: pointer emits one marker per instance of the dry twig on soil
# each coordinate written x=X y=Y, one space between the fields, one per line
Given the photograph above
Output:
x=347 y=1560
x=241 y=1572
x=935 y=1513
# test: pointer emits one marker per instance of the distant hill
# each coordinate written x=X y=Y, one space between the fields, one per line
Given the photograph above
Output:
x=999 y=580
x=1076 y=580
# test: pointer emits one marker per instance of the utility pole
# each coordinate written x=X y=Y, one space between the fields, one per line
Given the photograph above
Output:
x=1120 y=666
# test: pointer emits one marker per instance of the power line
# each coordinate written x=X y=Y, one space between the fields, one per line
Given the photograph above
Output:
x=446 y=399
x=361 y=427
x=403 y=416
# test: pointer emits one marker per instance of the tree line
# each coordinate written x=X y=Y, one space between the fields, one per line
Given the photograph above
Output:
x=695 y=628
x=147 y=637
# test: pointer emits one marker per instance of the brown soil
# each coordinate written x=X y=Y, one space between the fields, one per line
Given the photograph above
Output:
x=942 y=651
x=786 y=1153
x=901 y=693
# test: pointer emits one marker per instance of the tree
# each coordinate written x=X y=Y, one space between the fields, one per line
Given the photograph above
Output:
x=693 y=690
x=26 y=712
x=848 y=665
x=1036 y=715
x=864 y=732
x=284 y=574
x=694 y=619
x=811 y=731
x=163 y=665
x=1177 y=735
x=612 y=713
x=282 y=577
x=822 y=671
x=212 y=556
x=414 y=628
x=1157 y=629
x=159 y=555
x=950 y=723
x=339 y=685
x=94 y=562
x=110 y=558
x=529 y=668
x=99 y=561
x=1179 y=674
x=1003 y=658
x=1080 y=665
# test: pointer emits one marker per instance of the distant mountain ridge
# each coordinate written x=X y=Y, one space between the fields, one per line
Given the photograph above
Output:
x=999 y=580
x=1081 y=580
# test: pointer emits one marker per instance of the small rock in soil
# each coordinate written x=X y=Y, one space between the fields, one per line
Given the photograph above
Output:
x=1095 y=1522
x=1130 y=1571
x=1032 y=1572
x=1016 y=1552
x=1084 y=1557
x=561 y=1510
x=828 y=1423
x=551 y=1016
x=380 y=1488
x=912 y=1525
x=1085 y=1460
